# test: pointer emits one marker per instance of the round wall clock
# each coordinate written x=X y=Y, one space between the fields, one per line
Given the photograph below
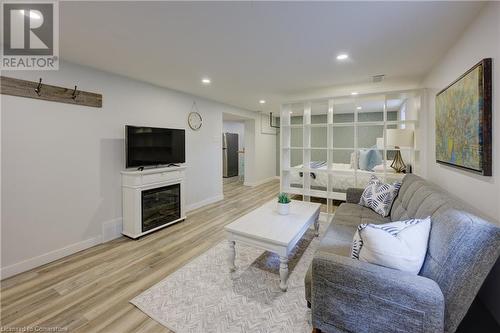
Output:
x=195 y=120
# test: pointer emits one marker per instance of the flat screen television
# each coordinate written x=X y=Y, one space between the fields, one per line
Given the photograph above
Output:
x=151 y=146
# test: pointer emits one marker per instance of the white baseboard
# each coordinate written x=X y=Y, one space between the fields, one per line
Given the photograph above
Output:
x=204 y=202
x=43 y=259
x=112 y=229
x=260 y=182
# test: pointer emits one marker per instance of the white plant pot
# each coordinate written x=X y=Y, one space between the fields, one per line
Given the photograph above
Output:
x=283 y=209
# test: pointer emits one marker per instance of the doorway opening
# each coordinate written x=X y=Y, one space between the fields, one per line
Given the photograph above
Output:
x=235 y=135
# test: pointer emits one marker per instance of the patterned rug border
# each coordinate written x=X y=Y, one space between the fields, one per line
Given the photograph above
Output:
x=152 y=316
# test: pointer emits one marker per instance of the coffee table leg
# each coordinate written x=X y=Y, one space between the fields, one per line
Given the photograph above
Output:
x=316 y=227
x=283 y=273
x=231 y=255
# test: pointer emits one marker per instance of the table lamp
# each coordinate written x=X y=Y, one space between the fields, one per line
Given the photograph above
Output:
x=399 y=138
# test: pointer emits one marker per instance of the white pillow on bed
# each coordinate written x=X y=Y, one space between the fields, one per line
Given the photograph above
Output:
x=400 y=245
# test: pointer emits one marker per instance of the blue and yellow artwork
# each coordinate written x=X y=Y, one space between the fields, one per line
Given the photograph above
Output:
x=460 y=122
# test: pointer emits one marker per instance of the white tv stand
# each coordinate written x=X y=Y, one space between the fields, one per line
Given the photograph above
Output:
x=135 y=182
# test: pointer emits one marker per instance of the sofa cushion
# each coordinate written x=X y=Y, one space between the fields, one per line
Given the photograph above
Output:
x=418 y=199
x=337 y=240
x=339 y=234
x=354 y=215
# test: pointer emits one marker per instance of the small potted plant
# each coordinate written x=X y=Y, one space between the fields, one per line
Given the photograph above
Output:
x=283 y=204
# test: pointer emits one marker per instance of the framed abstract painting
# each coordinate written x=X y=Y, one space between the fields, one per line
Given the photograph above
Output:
x=463 y=121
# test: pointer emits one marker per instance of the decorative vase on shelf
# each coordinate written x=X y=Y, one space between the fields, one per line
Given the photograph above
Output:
x=283 y=204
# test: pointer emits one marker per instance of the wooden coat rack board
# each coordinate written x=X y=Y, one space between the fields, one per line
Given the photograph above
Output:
x=40 y=90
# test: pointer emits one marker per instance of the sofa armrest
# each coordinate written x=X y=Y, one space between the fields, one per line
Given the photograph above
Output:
x=353 y=195
x=354 y=296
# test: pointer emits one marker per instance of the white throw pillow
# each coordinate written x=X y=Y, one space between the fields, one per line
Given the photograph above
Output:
x=400 y=245
x=379 y=196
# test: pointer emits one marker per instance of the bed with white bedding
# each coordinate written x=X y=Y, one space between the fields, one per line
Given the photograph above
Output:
x=342 y=176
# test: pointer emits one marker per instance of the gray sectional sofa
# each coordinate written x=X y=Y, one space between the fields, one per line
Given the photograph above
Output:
x=347 y=295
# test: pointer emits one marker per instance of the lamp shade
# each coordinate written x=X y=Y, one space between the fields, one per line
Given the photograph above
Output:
x=400 y=137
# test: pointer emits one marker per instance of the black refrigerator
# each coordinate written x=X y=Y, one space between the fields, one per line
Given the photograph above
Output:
x=230 y=154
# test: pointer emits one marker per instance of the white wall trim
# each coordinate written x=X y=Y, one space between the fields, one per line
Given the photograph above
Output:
x=112 y=229
x=43 y=259
x=204 y=202
x=260 y=182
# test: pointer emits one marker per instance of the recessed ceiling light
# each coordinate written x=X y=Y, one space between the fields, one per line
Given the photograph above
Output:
x=342 y=56
x=359 y=108
x=206 y=80
x=262 y=101
x=354 y=93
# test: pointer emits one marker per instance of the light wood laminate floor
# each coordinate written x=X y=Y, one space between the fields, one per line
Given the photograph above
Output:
x=90 y=290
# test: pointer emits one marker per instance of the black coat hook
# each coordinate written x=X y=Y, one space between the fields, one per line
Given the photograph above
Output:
x=38 y=89
x=75 y=93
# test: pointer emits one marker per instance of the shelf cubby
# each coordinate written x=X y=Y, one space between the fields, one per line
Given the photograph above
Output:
x=331 y=129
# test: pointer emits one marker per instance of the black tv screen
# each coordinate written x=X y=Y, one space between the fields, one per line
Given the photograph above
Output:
x=146 y=146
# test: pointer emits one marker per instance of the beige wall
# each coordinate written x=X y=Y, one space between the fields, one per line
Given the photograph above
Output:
x=480 y=40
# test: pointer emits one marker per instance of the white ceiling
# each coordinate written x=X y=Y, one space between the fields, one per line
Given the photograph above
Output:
x=260 y=50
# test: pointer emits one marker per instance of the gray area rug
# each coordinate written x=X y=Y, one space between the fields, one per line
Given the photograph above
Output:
x=204 y=297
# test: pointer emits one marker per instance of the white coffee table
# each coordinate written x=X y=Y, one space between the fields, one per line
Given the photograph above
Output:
x=266 y=229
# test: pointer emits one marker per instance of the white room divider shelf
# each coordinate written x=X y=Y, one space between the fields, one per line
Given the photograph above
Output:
x=320 y=138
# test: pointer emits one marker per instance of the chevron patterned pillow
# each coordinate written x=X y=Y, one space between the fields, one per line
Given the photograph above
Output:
x=379 y=196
